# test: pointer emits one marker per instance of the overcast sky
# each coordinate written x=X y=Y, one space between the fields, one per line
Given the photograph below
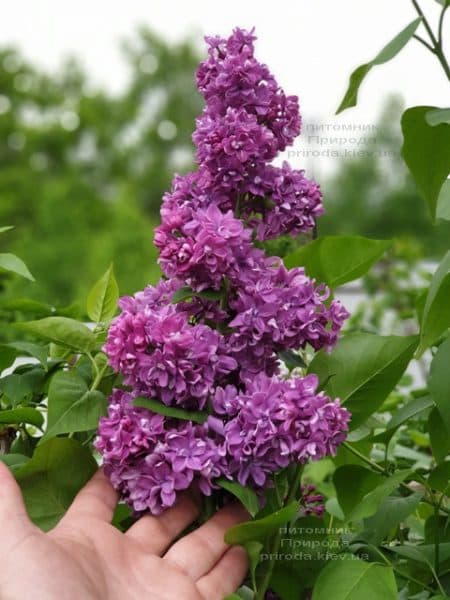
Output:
x=310 y=45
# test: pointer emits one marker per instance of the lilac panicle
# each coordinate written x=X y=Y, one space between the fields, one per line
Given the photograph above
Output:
x=216 y=349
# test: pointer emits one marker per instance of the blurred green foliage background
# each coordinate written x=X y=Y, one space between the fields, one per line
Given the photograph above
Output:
x=82 y=172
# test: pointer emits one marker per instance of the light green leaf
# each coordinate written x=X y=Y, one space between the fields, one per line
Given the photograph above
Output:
x=13 y=264
x=260 y=529
x=245 y=495
x=52 y=477
x=72 y=407
x=426 y=151
x=6 y=228
x=102 y=299
x=363 y=369
x=62 y=331
x=439 y=381
x=443 y=206
x=436 y=116
x=169 y=411
x=14 y=461
x=403 y=414
x=436 y=312
x=22 y=415
x=335 y=260
x=354 y=579
x=386 y=54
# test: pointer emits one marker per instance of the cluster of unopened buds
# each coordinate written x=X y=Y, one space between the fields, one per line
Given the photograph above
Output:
x=207 y=339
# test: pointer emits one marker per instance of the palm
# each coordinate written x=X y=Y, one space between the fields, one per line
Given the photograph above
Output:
x=86 y=557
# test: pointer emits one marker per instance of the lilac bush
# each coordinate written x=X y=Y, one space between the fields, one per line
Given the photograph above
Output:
x=208 y=337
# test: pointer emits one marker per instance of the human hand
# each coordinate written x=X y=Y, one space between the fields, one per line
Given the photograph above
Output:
x=84 y=556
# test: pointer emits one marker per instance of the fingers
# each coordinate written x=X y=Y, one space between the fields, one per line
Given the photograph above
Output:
x=226 y=576
x=156 y=533
x=197 y=553
x=13 y=515
x=96 y=499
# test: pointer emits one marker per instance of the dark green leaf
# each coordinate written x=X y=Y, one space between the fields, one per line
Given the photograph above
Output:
x=291 y=359
x=7 y=357
x=436 y=313
x=426 y=150
x=62 y=331
x=386 y=54
x=247 y=496
x=439 y=436
x=13 y=264
x=169 y=411
x=72 y=407
x=22 y=415
x=102 y=299
x=260 y=529
x=336 y=260
x=50 y=480
x=392 y=511
x=28 y=306
x=354 y=579
x=16 y=387
x=34 y=350
x=439 y=478
x=360 y=492
x=363 y=369
x=439 y=381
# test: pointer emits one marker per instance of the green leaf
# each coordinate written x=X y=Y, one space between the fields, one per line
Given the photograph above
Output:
x=28 y=306
x=426 y=151
x=102 y=299
x=14 y=461
x=34 y=350
x=186 y=292
x=13 y=264
x=361 y=492
x=7 y=357
x=260 y=529
x=72 y=407
x=439 y=436
x=363 y=369
x=291 y=359
x=436 y=313
x=439 y=381
x=62 y=331
x=336 y=260
x=392 y=511
x=6 y=228
x=386 y=54
x=169 y=411
x=436 y=116
x=52 y=477
x=22 y=415
x=245 y=495
x=443 y=206
x=403 y=414
x=254 y=553
x=16 y=387
x=354 y=579
x=439 y=478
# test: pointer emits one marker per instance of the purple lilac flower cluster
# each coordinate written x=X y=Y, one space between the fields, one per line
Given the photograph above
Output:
x=215 y=349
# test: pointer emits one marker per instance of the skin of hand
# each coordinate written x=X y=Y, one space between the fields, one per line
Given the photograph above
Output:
x=84 y=556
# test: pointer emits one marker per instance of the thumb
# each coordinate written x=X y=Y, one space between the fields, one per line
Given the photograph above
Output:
x=12 y=507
